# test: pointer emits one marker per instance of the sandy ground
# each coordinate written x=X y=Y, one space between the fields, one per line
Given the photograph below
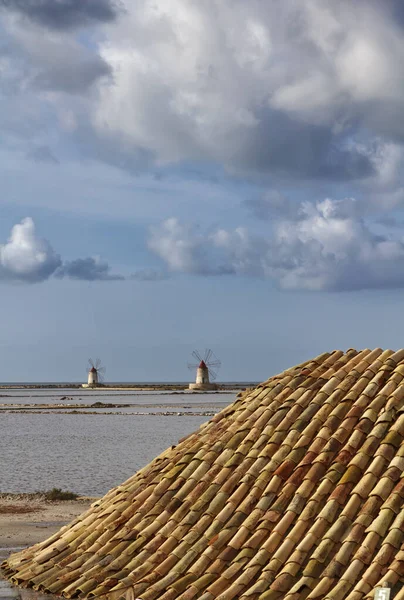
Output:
x=26 y=519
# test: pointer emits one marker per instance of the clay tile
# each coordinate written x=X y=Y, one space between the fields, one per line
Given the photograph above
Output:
x=386 y=451
x=316 y=472
x=346 y=455
x=334 y=569
x=370 y=445
x=341 y=492
x=285 y=469
x=371 y=506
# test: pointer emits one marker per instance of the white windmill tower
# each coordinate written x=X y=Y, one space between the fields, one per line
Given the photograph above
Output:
x=206 y=370
x=95 y=373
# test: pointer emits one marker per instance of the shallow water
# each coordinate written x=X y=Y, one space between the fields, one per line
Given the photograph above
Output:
x=90 y=453
x=66 y=396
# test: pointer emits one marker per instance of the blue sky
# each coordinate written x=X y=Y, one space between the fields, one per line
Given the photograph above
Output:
x=179 y=175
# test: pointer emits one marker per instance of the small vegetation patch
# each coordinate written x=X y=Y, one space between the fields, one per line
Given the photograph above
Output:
x=58 y=494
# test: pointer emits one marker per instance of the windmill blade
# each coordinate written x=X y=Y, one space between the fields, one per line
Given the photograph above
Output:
x=90 y=364
x=192 y=366
x=101 y=371
x=212 y=356
x=215 y=364
x=212 y=374
x=97 y=363
x=208 y=354
x=196 y=355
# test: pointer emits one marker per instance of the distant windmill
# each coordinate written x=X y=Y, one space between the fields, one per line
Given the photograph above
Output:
x=206 y=370
x=95 y=373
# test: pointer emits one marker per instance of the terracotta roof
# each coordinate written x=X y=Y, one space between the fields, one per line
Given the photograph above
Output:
x=293 y=491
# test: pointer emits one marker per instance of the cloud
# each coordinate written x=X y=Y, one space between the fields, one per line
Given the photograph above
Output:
x=390 y=222
x=185 y=249
x=87 y=269
x=37 y=61
x=296 y=91
x=63 y=14
x=274 y=206
x=73 y=76
x=327 y=248
x=25 y=257
x=306 y=89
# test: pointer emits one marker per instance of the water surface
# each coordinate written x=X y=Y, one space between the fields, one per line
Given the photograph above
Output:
x=90 y=453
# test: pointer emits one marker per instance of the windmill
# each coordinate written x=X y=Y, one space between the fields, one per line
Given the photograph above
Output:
x=95 y=373
x=206 y=370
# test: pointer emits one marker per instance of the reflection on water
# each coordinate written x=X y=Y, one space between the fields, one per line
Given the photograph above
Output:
x=89 y=454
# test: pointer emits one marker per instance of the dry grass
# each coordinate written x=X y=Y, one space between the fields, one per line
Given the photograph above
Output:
x=18 y=509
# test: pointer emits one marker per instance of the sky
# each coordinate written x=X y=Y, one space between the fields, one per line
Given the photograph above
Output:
x=180 y=175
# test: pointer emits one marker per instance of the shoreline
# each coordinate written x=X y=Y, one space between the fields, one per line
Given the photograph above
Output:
x=225 y=388
x=26 y=519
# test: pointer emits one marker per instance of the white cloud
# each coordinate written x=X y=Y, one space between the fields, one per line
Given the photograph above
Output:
x=186 y=249
x=25 y=257
x=264 y=86
x=307 y=89
x=183 y=248
x=327 y=247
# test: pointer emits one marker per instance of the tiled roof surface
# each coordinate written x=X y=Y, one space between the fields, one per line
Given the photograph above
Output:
x=293 y=491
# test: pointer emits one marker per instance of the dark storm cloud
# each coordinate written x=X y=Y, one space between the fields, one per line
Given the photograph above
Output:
x=64 y=14
x=87 y=269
